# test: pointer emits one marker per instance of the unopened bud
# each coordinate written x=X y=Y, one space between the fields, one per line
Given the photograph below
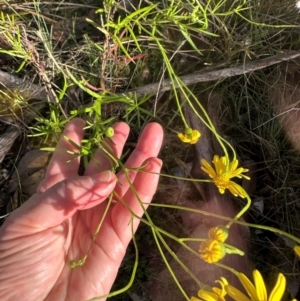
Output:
x=109 y=132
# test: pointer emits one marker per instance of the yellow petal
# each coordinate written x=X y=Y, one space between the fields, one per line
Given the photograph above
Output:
x=194 y=299
x=220 y=165
x=216 y=158
x=208 y=296
x=235 y=294
x=224 y=161
x=221 y=190
x=245 y=177
x=207 y=168
x=237 y=190
x=260 y=285
x=196 y=135
x=297 y=250
x=183 y=138
x=216 y=163
x=225 y=282
x=233 y=165
x=249 y=287
x=207 y=171
x=237 y=173
x=221 y=292
x=193 y=141
x=233 y=189
x=217 y=290
x=278 y=289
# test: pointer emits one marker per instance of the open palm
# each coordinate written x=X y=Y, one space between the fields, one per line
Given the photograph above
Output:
x=57 y=224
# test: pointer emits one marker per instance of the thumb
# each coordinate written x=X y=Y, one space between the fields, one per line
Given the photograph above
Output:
x=62 y=200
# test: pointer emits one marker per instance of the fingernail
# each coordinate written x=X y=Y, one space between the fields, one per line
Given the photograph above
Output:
x=103 y=177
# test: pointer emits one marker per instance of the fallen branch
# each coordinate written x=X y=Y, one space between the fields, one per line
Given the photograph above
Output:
x=213 y=75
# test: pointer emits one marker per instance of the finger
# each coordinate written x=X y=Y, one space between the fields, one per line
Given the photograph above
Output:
x=64 y=164
x=148 y=146
x=114 y=145
x=145 y=185
x=61 y=201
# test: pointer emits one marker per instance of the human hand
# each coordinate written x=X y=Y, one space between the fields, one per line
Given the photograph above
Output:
x=57 y=224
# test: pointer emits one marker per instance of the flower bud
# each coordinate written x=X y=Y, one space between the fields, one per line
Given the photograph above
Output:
x=188 y=131
x=212 y=251
x=109 y=132
x=219 y=233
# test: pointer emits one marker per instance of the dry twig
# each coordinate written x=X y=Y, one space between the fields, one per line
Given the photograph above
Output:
x=214 y=75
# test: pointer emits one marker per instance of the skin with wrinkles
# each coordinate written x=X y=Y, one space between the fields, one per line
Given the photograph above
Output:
x=57 y=223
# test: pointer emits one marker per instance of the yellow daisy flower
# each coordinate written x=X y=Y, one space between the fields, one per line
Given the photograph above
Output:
x=216 y=294
x=223 y=173
x=219 y=233
x=190 y=136
x=211 y=250
x=257 y=292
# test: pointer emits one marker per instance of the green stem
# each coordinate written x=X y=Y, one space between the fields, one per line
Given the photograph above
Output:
x=241 y=213
x=275 y=230
x=127 y=287
x=73 y=263
x=223 y=266
x=233 y=250
x=168 y=265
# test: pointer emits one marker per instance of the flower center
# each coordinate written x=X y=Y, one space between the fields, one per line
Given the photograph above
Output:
x=222 y=181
